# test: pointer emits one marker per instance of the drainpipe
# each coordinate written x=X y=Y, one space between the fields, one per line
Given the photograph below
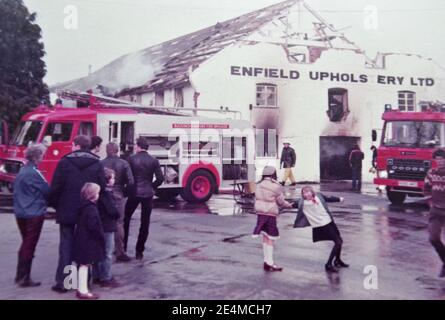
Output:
x=196 y=94
x=195 y=101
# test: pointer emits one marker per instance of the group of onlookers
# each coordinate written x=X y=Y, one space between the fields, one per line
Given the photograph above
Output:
x=92 y=209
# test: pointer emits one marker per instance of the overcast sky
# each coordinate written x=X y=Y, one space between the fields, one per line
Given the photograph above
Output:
x=108 y=29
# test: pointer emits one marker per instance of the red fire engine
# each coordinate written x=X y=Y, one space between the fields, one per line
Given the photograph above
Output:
x=405 y=154
x=198 y=155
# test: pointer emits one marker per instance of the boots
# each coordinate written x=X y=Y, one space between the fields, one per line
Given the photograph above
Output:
x=274 y=267
x=21 y=270
x=25 y=280
x=340 y=263
x=330 y=268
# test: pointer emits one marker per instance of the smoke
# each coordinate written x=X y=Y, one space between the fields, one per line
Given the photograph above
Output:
x=132 y=70
x=335 y=146
x=137 y=69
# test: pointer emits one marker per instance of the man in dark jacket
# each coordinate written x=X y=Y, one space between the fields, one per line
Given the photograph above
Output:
x=287 y=161
x=72 y=172
x=143 y=167
x=95 y=145
x=355 y=160
x=123 y=181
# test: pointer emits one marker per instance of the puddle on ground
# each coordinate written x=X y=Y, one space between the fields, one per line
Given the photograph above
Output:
x=430 y=283
x=339 y=212
x=204 y=208
x=235 y=238
x=181 y=206
x=406 y=224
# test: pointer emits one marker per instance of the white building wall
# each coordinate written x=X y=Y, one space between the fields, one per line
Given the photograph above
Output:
x=303 y=102
x=169 y=98
x=188 y=94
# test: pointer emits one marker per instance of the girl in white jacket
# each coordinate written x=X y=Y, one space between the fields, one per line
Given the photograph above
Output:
x=268 y=198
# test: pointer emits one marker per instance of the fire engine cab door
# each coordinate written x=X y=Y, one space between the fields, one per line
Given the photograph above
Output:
x=122 y=133
x=113 y=132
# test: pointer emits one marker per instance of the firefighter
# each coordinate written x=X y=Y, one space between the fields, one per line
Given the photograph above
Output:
x=355 y=161
x=287 y=161
x=374 y=157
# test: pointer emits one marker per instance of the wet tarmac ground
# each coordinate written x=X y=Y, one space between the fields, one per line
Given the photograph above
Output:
x=206 y=252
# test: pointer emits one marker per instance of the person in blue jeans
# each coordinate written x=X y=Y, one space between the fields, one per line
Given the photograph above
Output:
x=109 y=215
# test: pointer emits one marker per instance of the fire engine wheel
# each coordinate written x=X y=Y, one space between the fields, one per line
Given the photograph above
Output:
x=167 y=194
x=199 y=188
x=396 y=198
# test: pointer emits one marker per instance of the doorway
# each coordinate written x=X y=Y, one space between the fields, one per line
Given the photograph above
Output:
x=334 y=157
x=122 y=133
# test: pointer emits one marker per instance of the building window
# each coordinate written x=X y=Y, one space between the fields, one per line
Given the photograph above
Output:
x=266 y=143
x=338 y=108
x=179 y=98
x=407 y=100
x=159 y=98
x=266 y=95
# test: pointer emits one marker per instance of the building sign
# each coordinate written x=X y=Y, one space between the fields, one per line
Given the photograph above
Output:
x=199 y=126
x=328 y=76
x=264 y=72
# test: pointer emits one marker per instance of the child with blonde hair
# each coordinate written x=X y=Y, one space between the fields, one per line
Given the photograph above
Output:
x=89 y=239
x=313 y=211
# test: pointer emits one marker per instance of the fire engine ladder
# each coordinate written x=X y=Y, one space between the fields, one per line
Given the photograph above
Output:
x=95 y=101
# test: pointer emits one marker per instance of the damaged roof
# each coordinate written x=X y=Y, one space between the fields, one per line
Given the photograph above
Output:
x=166 y=65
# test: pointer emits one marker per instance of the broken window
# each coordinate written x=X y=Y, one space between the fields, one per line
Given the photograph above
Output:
x=338 y=108
x=179 y=98
x=407 y=100
x=266 y=95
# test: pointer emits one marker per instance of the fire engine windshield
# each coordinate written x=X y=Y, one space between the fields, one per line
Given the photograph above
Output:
x=27 y=132
x=414 y=134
